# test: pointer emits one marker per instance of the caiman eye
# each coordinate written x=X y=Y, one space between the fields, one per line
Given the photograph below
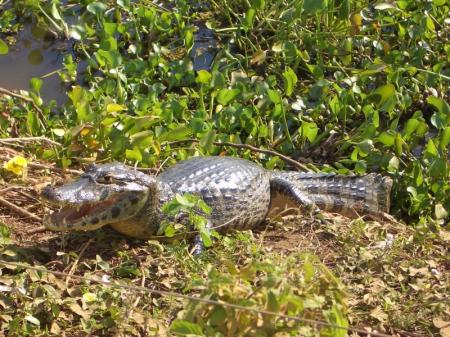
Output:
x=105 y=180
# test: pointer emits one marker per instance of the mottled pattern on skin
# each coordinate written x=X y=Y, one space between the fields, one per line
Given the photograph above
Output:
x=240 y=193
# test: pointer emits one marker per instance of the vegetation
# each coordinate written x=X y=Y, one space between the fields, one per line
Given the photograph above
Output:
x=338 y=85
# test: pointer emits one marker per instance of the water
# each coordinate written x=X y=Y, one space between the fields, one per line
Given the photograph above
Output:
x=35 y=54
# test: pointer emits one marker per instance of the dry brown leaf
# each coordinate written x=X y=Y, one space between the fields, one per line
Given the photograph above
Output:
x=75 y=307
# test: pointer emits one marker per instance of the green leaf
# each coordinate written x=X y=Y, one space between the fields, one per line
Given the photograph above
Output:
x=55 y=13
x=114 y=107
x=225 y=96
x=445 y=138
x=133 y=154
x=169 y=230
x=3 y=48
x=188 y=39
x=290 y=80
x=184 y=200
x=274 y=96
x=411 y=125
x=183 y=327
x=314 y=6
x=249 y=18
x=206 y=238
x=112 y=58
x=77 y=32
x=203 y=77
x=207 y=141
x=36 y=84
x=179 y=133
x=273 y=304
x=382 y=94
x=309 y=130
x=386 y=138
x=258 y=4
x=441 y=118
x=96 y=8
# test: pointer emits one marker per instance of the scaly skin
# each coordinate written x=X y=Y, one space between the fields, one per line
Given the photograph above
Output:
x=240 y=193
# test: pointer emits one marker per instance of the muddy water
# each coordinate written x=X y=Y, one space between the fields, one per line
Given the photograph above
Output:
x=36 y=54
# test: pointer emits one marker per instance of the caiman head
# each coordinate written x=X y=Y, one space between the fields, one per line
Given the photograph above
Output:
x=104 y=194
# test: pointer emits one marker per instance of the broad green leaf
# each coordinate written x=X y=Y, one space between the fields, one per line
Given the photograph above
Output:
x=441 y=118
x=184 y=200
x=273 y=304
x=55 y=13
x=36 y=84
x=89 y=297
x=398 y=144
x=207 y=141
x=114 y=107
x=386 y=138
x=309 y=130
x=225 y=96
x=96 y=8
x=382 y=94
x=290 y=80
x=109 y=28
x=180 y=133
x=77 y=32
x=274 y=96
x=3 y=48
x=188 y=39
x=112 y=58
x=445 y=138
x=411 y=125
x=203 y=77
x=365 y=147
x=249 y=18
x=258 y=4
x=206 y=238
x=183 y=328
x=347 y=51
x=133 y=154
x=314 y=6
x=169 y=231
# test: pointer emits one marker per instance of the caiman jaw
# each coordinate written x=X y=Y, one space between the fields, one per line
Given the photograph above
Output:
x=92 y=215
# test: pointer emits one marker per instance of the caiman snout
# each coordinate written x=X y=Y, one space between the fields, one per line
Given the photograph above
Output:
x=49 y=193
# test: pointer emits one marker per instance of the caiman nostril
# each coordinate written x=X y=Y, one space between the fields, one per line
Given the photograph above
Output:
x=48 y=192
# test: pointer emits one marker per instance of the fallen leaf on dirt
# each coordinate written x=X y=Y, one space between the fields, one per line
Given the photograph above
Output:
x=78 y=310
x=443 y=326
x=379 y=314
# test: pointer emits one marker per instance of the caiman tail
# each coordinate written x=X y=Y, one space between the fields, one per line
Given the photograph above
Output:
x=348 y=195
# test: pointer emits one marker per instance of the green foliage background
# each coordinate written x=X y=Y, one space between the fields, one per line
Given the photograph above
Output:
x=342 y=85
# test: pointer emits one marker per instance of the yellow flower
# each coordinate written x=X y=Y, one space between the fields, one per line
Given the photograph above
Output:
x=16 y=165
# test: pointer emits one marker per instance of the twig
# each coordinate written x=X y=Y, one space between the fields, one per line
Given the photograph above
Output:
x=26 y=99
x=29 y=139
x=52 y=168
x=40 y=229
x=291 y=161
x=19 y=210
x=75 y=263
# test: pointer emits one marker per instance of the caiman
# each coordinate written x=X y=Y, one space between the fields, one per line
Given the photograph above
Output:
x=239 y=192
